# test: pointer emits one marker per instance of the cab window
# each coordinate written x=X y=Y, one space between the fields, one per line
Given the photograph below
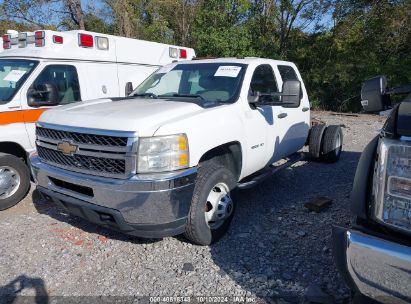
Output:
x=55 y=85
x=263 y=83
x=287 y=73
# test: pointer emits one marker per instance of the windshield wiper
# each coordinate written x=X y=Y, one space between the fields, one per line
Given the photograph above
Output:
x=189 y=96
x=151 y=95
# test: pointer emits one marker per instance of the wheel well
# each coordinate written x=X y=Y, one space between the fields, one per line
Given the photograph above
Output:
x=13 y=149
x=229 y=155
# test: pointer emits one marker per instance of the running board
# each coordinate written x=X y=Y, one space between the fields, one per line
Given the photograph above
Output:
x=273 y=168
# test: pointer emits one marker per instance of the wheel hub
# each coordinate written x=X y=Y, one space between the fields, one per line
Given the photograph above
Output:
x=9 y=181
x=219 y=206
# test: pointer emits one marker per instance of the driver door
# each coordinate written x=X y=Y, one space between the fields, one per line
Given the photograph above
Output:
x=56 y=84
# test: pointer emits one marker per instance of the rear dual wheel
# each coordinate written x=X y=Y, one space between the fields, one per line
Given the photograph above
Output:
x=212 y=207
x=332 y=144
x=325 y=143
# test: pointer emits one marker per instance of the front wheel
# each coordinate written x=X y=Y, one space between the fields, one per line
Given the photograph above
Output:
x=14 y=180
x=212 y=207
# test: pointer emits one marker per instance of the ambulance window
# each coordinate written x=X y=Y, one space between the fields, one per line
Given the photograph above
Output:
x=13 y=73
x=56 y=85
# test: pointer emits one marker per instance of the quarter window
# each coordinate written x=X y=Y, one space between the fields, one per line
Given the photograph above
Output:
x=287 y=73
x=56 y=85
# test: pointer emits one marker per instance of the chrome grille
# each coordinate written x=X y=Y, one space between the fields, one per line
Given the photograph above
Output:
x=96 y=154
x=83 y=162
x=81 y=138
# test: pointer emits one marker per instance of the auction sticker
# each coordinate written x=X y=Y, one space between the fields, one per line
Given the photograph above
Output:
x=227 y=71
x=14 y=75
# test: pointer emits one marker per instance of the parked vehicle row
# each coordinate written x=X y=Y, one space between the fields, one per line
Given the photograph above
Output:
x=152 y=143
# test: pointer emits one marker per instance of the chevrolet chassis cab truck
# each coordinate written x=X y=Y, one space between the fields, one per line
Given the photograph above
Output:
x=165 y=160
x=374 y=256
x=46 y=69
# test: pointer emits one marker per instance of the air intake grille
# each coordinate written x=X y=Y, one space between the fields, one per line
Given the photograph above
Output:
x=81 y=138
x=97 y=165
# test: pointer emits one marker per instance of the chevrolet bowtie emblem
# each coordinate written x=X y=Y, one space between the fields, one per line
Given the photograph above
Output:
x=67 y=148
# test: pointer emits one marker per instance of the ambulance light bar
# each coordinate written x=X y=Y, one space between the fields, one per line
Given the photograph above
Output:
x=6 y=41
x=183 y=53
x=85 y=40
x=39 y=38
x=102 y=43
x=57 y=39
x=177 y=53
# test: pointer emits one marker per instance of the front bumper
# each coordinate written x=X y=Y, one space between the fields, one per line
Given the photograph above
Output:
x=375 y=267
x=146 y=206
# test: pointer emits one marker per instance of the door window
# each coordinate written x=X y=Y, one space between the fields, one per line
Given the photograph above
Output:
x=263 y=83
x=55 y=85
x=288 y=73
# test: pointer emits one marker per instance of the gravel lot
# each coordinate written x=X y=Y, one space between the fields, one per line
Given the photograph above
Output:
x=276 y=251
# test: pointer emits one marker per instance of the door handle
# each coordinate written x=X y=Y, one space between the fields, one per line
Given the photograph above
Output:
x=305 y=109
x=282 y=115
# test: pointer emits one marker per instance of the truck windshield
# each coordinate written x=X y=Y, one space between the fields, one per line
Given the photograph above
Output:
x=217 y=82
x=13 y=73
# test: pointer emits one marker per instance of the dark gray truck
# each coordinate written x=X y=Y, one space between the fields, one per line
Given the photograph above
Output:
x=374 y=256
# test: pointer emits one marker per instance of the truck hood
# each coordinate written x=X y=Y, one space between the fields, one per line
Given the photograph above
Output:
x=143 y=116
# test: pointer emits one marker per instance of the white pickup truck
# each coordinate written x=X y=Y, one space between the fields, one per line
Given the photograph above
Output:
x=164 y=160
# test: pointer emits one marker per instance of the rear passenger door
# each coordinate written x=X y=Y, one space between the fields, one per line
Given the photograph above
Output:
x=261 y=127
x=294 y=119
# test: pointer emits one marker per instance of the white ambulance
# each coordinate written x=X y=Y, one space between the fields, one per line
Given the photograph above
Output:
x=44 y=69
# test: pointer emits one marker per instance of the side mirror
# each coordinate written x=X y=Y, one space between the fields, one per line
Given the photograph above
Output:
x=372 y=94
x=291 y=93
x=129 y=88
x=45 y=94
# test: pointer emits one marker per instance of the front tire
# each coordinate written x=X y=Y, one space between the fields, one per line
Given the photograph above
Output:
x=14 y=180
x=212 y=207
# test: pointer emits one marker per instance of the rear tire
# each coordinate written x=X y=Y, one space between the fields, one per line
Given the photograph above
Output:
x=14 y=180
x=212 y=208
x=315 y=140
x=332 y=144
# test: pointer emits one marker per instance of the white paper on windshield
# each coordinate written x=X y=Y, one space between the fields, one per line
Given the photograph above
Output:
x=14 y=75
x=227 y=71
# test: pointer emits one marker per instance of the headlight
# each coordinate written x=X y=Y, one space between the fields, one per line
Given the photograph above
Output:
x=392 y=184
x=162 y=153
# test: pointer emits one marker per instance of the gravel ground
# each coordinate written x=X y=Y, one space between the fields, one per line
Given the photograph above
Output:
x=276 y=251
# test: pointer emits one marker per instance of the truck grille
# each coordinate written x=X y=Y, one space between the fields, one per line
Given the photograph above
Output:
x=95 y=164
x=95 y=154
x=81 y=138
